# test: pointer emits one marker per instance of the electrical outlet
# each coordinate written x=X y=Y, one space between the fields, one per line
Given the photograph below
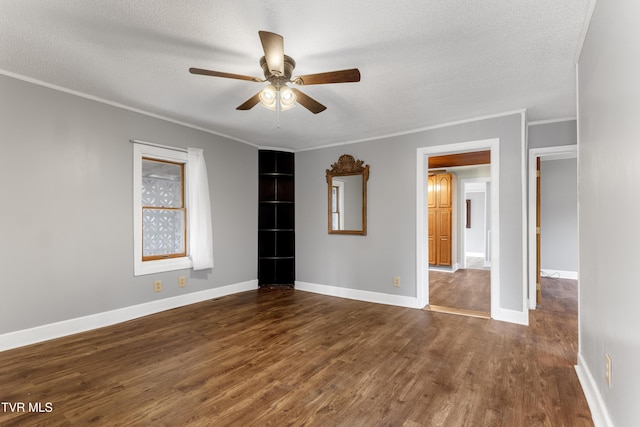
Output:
x=396 y=281
x=607 y=368
x=157 y=285
x=182 y=281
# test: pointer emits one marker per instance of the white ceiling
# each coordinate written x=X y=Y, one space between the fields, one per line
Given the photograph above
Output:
x=423 y=62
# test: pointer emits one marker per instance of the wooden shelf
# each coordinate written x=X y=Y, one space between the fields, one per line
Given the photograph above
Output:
x=276 y=174
x=276 y=219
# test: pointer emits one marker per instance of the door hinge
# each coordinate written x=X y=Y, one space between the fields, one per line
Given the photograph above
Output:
x=538 y=287
x=537 y=174
x=537 y=230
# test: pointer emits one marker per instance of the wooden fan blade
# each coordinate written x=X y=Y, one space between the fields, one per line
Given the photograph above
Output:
x=221 y=74
x=273 y=46
x=250 y=103
x=307 y=102
x=343 y=76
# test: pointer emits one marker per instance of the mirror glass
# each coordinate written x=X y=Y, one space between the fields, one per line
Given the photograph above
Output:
x=347 y=186
x=346 y=202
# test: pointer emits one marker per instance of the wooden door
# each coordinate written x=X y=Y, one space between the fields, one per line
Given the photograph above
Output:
x=443 y=190
x=431 y=191
x=439 y=201
x=432 y=236
x=431 y=217
x=444 y=237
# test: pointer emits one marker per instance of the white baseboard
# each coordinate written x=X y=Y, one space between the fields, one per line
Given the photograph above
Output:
x=359 y=295
x=501 y=314
x=475 y=254
x=86 y=323
x=560 y=274
x=599 y=412
x=443 y=269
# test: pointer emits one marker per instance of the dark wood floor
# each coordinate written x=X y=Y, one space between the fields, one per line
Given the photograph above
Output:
x=287 y=357
x=465 y=289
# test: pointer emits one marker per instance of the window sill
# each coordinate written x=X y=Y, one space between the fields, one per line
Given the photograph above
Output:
x=162 y=265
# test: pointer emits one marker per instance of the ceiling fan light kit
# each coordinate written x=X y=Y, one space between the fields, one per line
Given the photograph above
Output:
x=271 y=97
x=268 y=97
x=287 y=98
x=278 y=68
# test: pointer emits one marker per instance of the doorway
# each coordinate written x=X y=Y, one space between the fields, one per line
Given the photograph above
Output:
x=461 y=286
x=535 y=155
x=422 y=244
x=475 y=199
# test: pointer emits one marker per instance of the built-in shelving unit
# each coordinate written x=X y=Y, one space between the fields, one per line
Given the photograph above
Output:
x=276 y=219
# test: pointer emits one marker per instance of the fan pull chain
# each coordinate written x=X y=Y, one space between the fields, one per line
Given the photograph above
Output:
x=278 y=108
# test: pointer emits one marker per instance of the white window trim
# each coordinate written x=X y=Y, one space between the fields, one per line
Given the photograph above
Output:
x=162 y=265
x=340 y=184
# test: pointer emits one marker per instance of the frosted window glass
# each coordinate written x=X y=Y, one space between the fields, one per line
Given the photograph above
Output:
x=161 y=193
x=161 y=184
x=163 y=232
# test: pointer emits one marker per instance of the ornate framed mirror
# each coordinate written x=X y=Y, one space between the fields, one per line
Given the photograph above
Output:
x=347 y=196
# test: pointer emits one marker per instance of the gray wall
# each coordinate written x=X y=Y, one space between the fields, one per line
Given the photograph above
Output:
x=559 y=215
x=608 y=178
x=370 y=262
x=66 y=228
x=552 y=134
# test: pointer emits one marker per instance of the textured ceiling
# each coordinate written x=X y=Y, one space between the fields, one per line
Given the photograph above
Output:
x=423 y=62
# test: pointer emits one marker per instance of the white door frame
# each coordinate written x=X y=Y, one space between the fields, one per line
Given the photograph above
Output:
x=557 y=152
x=422 y=240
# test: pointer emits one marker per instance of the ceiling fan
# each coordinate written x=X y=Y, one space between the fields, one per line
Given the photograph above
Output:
x=277 y=68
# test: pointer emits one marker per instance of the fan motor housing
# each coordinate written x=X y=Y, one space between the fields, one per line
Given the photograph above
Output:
x=278 y=81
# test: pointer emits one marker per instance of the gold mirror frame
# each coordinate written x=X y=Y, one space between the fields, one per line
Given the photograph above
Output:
x=347 y=165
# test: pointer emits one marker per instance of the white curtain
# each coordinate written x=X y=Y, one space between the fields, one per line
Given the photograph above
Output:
x=199 y=211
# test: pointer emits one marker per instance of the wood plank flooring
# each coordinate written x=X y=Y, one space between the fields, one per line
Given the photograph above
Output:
x=287 y=357
x=466 y=289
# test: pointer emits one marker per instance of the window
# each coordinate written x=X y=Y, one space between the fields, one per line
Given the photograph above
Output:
x=164 y=225
x=160 y=210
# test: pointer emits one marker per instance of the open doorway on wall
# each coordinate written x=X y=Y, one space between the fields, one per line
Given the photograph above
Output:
x=476 y=220
x=459 y=233
x=553 y=249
